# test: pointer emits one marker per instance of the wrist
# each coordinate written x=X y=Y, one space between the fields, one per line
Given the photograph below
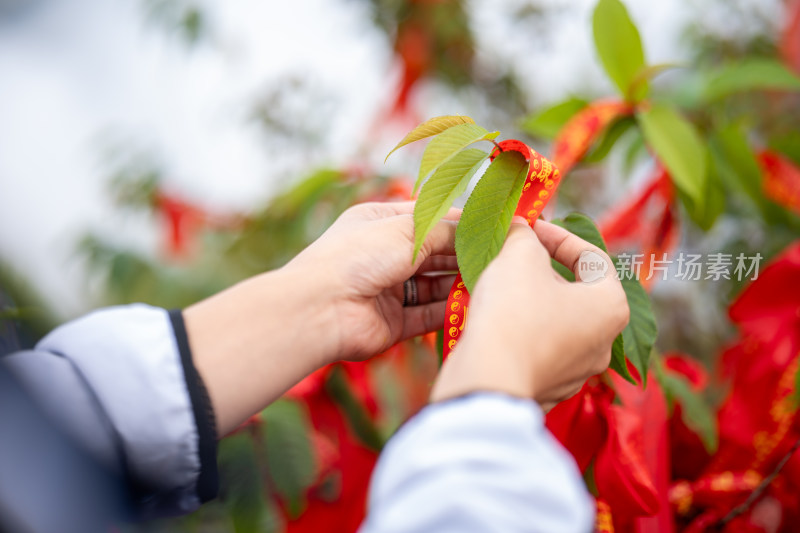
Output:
x=475 y=367
x=307 y=303
x=253 y=341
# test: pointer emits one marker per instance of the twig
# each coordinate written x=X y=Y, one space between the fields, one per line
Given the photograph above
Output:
x=757 y=492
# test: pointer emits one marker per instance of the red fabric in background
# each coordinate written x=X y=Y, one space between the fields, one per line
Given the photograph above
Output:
x=758 y=421
x=584 y=129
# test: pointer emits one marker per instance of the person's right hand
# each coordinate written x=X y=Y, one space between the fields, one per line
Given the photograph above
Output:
x=530 y=333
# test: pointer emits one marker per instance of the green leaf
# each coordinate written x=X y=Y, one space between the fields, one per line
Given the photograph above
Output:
x=735 y=163
x=735 y=160
x=619 y=46
x=563 y=271
x=440 y=347
x=549 y=121
x=787 y=143
x=357 y=416
x=647 y=73
x=712 y=205
x=635 y=150
x=750 y=75
x=796 y=395
x=446 y=145
x=290 y=458
x=487 y=215
x=589 y=477
x=678 y=146
x=618 y=362
x=437 y=195
x=241 y=486
x=640 y=333
x=609 y=139
x=695 y=412
x=430 y=128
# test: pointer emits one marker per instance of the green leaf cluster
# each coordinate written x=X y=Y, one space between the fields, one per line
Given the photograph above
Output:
x=549 y=121
x=448 y=164
x=708 y=158
x=619 y=46
x=695 y=411
x=268 y=465
x=678 y=145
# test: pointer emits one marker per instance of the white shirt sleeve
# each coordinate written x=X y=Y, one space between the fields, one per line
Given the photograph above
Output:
x=479 y=463
x=121 y=382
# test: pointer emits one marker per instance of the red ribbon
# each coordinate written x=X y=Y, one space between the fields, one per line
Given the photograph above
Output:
x=540 y=186
x=581 y=131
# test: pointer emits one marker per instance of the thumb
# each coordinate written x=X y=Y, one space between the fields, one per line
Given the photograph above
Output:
x=522 y=244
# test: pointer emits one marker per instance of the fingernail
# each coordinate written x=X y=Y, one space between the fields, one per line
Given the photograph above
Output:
x=519 y=220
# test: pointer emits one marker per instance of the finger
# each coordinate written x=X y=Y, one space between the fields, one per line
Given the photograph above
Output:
x=453 y=213
x=568 y=249
x=519 y=233
x=404 y=208
x=433 y=288
x=440 y=241
x=393 y=208
x=439 y=263
x=522 y=238
x=422 y=319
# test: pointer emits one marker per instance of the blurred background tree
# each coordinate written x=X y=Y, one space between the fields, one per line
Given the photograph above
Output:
x=161 y=150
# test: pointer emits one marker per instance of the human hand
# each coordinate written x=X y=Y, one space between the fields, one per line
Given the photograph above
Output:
x=363 y=259
x=531 y=333
x=341 y=298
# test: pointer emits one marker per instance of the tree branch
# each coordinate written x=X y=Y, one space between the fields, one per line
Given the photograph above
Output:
x=759 y=490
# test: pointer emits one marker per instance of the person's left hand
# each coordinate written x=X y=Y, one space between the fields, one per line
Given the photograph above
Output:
x=364 y=258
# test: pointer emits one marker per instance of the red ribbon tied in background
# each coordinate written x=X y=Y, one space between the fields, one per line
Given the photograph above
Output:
x=540 y=186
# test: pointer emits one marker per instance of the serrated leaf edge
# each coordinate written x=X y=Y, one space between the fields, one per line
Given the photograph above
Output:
x=414 y=135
